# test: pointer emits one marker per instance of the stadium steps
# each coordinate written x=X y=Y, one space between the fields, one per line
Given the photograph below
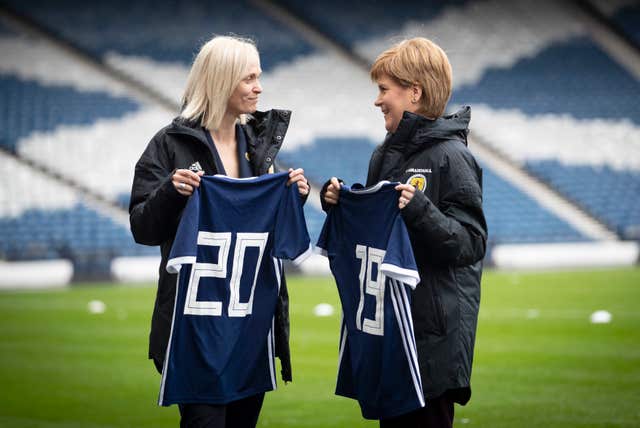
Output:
x=620 y=17
x=609 y=35
x=313 y=34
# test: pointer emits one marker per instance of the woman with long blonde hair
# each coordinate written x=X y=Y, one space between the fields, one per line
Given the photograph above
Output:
x=219 y=131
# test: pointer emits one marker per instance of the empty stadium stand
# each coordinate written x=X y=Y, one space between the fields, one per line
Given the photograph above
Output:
x=524 y=69
x=168 y=32
x=42 y=219
x=545 y=96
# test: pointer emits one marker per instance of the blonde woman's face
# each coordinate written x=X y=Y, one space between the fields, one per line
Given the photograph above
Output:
x=393 y=100
x=245 y=97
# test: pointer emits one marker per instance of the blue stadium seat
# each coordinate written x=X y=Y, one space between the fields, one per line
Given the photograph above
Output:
x=169 y=31
x=27 y=107
x=610 y=195
x=575 y=78
x=351 y=22
x=68 y=233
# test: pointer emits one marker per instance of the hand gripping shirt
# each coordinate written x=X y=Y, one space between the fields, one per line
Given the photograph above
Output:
x=227 y=253
x=371 y=258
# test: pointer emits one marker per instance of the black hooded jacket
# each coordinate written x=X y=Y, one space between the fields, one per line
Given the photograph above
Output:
x=448 y=234
x=156 y=207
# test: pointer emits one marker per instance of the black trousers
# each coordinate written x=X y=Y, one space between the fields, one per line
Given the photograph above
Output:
x=237 y=414
x=438 y=413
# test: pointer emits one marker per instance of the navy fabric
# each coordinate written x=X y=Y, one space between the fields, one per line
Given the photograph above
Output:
x=226 y=251
x=371 y=258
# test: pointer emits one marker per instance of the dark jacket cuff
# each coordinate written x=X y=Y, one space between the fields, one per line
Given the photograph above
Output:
x=326 y=206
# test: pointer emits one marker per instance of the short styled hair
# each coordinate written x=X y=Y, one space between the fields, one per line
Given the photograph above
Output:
x=216 y=72
x=421 y=62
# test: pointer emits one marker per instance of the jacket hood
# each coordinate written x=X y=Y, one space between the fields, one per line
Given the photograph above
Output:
x=256 y=122
x=415 y=130
x=186 y=127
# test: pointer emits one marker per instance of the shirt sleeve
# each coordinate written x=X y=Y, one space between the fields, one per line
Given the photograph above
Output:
x=185 y=244
x=399 y=262
x=291 y=240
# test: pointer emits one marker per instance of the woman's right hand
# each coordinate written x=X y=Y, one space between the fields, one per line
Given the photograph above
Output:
x=333 y=192
x=185 y=181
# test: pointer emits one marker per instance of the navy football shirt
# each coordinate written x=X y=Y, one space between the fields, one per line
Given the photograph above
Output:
x=227 y=252
x=371 y=259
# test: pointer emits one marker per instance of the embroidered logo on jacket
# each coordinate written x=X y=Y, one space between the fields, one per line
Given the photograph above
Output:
x=419 y=170
x=195 y=167
x=418 y=181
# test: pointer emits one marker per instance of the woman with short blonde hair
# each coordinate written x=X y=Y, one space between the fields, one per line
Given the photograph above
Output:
x=219 y=131
x=419 y=62
x=440 y=200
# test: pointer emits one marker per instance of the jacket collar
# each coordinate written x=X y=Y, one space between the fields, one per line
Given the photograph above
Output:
x=186 y=127
x=270 y=125
x=415 y=132
x=258 y=125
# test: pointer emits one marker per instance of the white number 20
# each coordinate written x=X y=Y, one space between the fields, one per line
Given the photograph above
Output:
x=368 y=257
x=222 y=240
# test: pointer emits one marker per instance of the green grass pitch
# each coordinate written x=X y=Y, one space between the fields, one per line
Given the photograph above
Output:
x=539 y=361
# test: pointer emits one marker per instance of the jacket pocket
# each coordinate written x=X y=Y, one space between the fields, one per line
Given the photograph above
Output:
x=439 y=315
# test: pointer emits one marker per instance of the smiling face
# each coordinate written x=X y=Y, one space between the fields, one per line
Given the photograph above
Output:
x=394 y=99
x=244 y=98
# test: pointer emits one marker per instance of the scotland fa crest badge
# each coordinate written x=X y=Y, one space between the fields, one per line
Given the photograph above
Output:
x=418 y=181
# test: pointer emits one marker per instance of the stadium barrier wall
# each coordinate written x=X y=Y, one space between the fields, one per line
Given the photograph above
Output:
x=565 y=256
x=59 y=273
x=135 y=269
x=35 y=274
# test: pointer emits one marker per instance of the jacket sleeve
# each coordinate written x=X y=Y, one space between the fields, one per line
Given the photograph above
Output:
x=455 y=232
x=325 y=206
x=155 y=205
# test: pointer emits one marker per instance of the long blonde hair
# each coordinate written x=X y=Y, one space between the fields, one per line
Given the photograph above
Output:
x=216 y=72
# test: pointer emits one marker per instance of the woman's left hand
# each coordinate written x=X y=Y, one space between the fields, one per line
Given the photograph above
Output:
x=406 y=194
x=297 y=176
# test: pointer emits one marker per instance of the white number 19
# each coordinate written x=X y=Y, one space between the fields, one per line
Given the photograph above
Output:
x=369 y=256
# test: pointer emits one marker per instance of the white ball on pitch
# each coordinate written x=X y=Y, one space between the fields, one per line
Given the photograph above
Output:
x=601 y=317
x=323 y=310
x=96 y=307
